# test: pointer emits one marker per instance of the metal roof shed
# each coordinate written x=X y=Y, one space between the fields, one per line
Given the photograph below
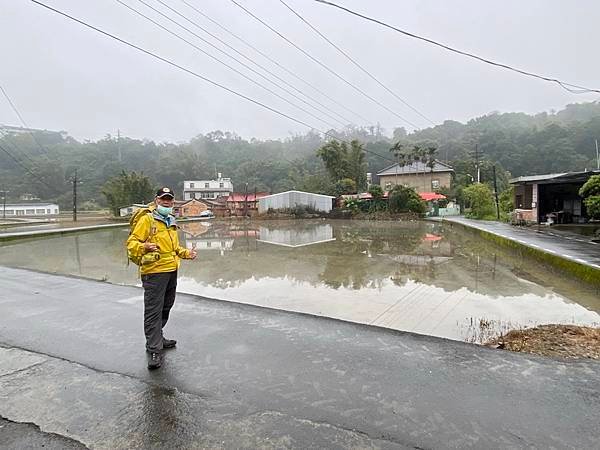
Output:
x=291 y=199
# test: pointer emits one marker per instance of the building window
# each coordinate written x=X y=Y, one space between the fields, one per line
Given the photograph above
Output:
x=48 y=211
x=30 y=212
x=435 y=184
x=40 y=211
x=10 y=212
x=221 y=185
x=388 y=185
x=519 y=201
x=191 y=185
x=206 y=185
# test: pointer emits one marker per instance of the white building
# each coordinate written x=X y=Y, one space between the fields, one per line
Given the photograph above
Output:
x=128 y=210
x=294 y=237
x=29 y=209
x=10 y=130
x=291 y=199
x=207 y=189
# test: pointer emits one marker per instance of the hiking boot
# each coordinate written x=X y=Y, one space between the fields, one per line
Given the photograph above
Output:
x=169 y=343
x=154 y=361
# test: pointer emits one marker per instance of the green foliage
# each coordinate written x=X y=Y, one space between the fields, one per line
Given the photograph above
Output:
x=592 y=203
x=480 y=199
x=345 y=186
x=376 y=192
x=591 y=187
x=343 y=162
x=506 y=203
x=590 y=191
x=126 y=189
x=353 y=204
x=405 y=199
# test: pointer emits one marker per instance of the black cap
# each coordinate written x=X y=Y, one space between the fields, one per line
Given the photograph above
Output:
x=165 y=192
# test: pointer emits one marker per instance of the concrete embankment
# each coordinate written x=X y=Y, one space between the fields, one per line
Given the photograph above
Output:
x=579 y=257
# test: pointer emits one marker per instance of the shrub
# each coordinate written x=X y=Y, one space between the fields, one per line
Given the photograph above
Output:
x=405 y=199
x=481 y=201
x=591 y=193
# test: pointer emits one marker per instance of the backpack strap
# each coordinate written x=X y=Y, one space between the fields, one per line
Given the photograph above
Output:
x=152 y=225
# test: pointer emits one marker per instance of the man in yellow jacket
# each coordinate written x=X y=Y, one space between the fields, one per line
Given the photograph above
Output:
x=155 y=239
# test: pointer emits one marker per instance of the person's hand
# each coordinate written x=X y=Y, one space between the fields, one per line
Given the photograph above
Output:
x=193 y=254
x=150 y=246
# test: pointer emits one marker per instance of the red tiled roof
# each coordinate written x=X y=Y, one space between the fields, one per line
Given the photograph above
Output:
x=240 y=196
x=428 y=196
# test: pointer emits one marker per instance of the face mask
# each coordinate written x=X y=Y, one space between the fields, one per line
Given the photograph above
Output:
x=164 y=211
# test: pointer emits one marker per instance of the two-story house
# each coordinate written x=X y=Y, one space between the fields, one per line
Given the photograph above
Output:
x=207 y=189
x=416 y=175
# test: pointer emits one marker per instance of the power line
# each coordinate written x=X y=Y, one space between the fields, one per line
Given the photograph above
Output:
x=572 y=88
x=248 y=59
x=5 y=135
x=273 y=61
x=353 y=61
x=24 y=167
x=258 y=65
x=17 y=150
x=333 y=72
x=14 y=108
x=212 y=56
x=195 y=74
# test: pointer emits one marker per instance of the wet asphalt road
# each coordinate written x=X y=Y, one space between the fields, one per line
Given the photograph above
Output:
x=72 y=362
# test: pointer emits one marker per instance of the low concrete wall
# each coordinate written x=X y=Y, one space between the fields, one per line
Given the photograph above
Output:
x=583 y=272
x=35 y=234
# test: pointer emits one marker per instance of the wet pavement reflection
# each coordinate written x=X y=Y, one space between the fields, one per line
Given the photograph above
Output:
x=413 y=276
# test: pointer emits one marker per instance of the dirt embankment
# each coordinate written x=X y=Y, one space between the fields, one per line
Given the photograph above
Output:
x=562 y=341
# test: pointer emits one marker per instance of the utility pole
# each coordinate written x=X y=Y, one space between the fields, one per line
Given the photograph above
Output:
x=496 y=193
x=597 y=156
x=477 y=163
x=119 y=145
x=246 y=201
x=75 y=182
x=4 y=203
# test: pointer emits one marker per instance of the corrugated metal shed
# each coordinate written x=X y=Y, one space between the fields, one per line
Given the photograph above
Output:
x=291 y=199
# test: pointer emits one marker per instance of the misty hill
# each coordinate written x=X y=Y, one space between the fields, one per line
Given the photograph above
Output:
x=517 y=142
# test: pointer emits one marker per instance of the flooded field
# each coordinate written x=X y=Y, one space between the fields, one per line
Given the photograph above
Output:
x=414 y=276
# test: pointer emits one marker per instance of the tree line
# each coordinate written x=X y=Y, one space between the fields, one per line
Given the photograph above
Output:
x=516 y=143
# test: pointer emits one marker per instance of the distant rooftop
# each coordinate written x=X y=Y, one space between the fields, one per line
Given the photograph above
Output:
x=241 y=196
x=297 y=192
x=415 y=167
x=548 y=178
x=21 y=130
x=28 y=205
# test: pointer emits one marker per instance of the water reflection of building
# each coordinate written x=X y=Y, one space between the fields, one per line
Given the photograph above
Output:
x=296 y=237
x=202 y=236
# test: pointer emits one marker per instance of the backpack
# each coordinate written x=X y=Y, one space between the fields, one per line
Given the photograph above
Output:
x=135 y=218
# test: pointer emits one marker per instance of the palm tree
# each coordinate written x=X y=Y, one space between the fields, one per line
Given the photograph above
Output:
x=430 y=155
x=400 y=155
x=416 y=156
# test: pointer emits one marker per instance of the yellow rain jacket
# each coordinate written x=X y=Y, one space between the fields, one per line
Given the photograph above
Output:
x=163 y=233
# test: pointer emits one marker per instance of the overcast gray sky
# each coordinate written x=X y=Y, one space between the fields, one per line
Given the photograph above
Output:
x=62 y=76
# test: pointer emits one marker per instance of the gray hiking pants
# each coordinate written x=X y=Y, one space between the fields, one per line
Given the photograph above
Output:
x=159 y=296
